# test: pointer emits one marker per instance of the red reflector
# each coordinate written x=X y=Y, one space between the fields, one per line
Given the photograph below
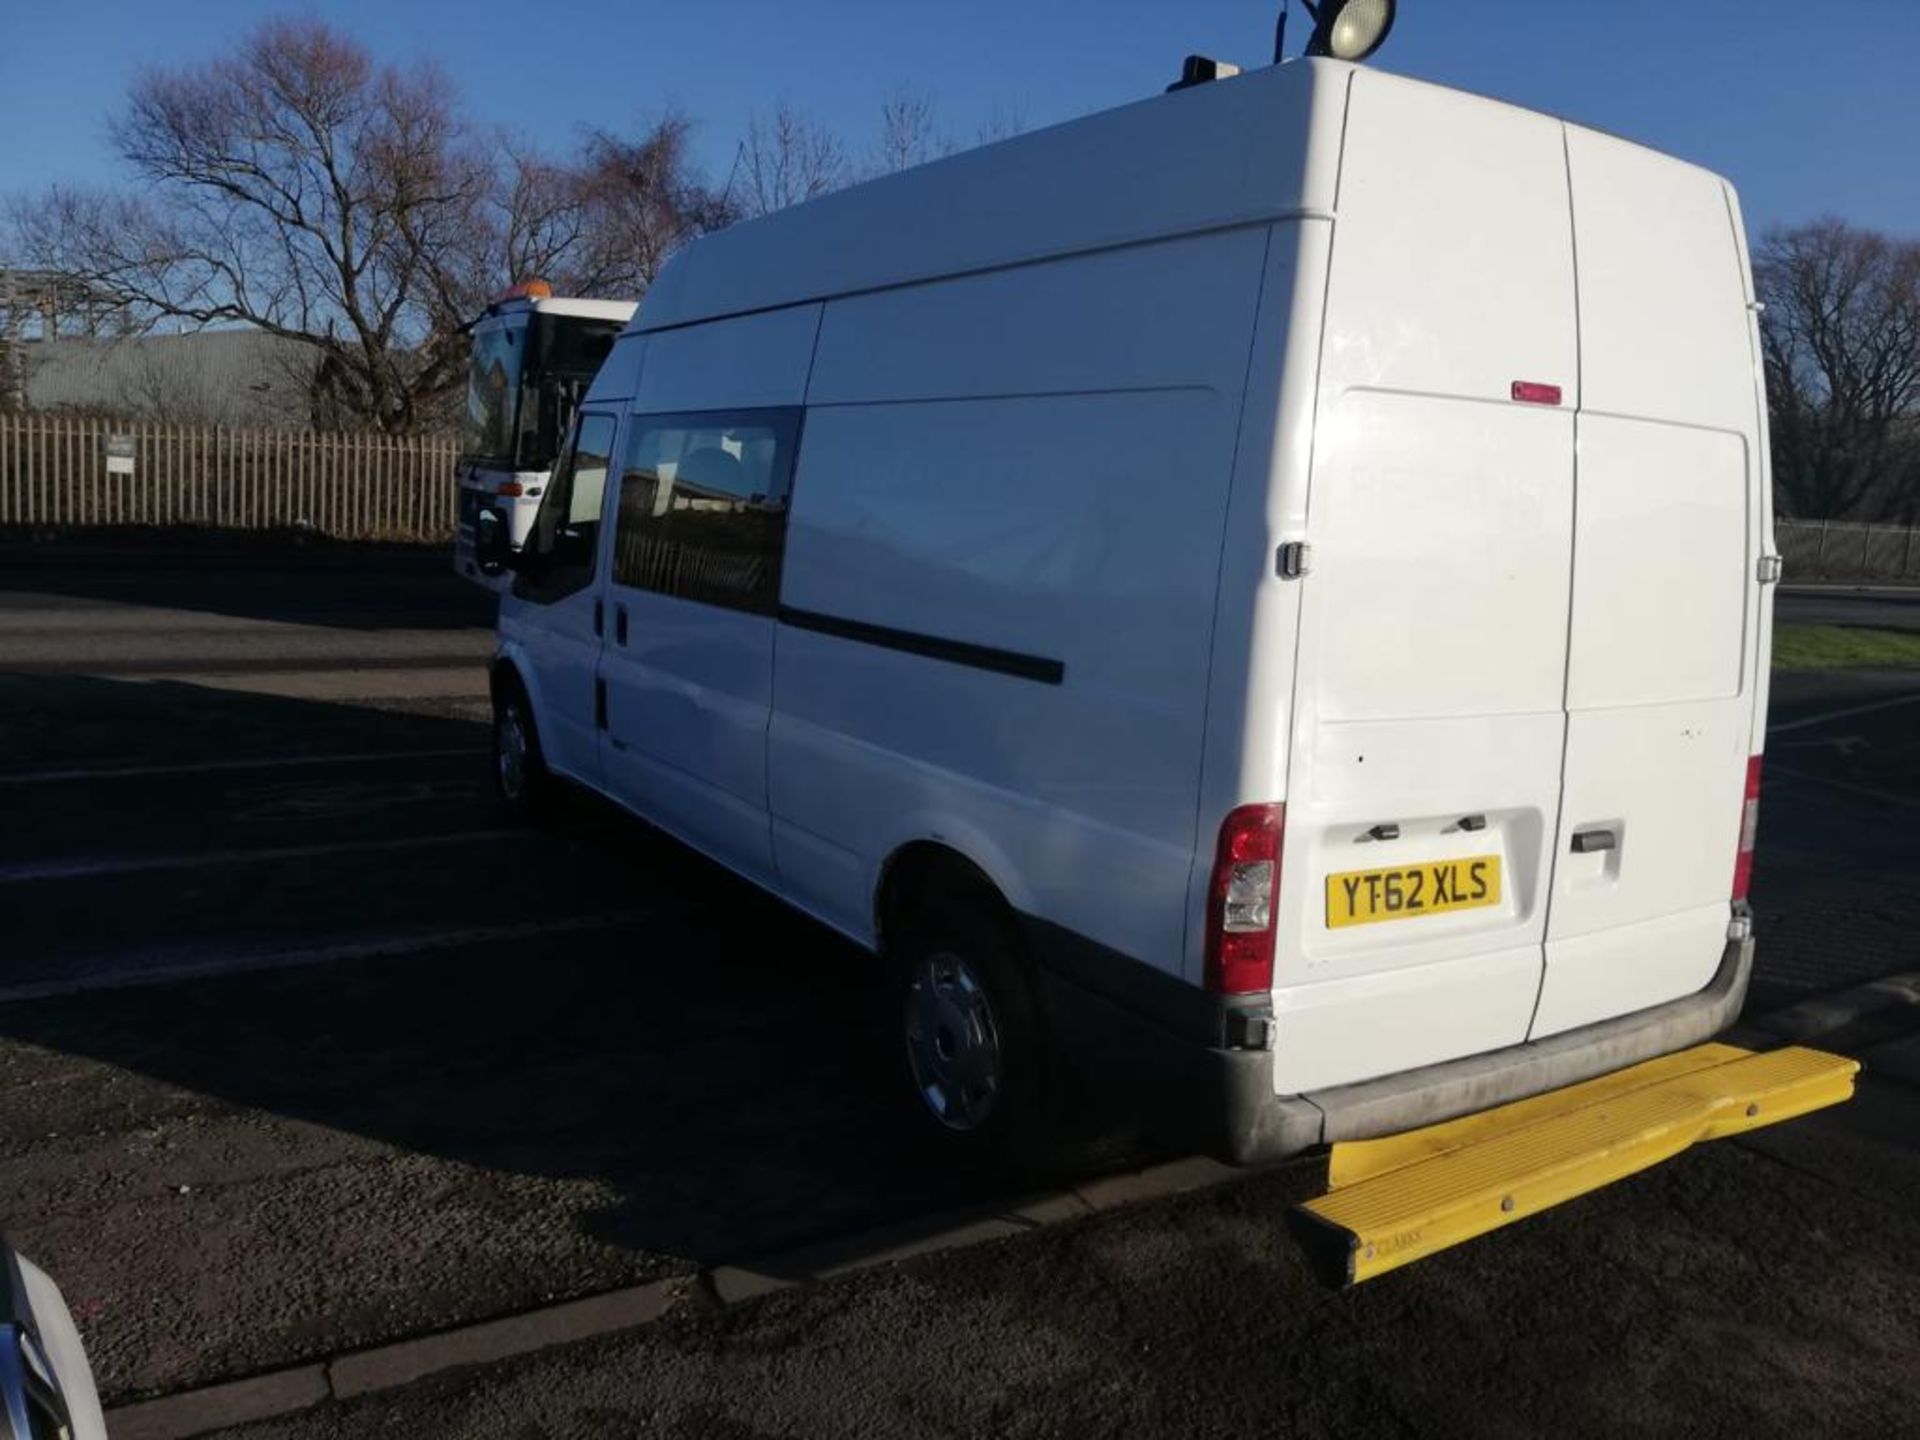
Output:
x=509 y=488
x=1242 y=899
x=1749 y=829
x=1531 y=392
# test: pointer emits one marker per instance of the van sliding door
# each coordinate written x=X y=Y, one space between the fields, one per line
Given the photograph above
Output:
x=706 y=459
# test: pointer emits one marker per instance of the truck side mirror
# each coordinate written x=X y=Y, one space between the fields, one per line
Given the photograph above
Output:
x=492 y=544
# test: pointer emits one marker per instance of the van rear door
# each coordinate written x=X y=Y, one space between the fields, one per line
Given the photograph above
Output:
x=1664 y=654
x=1424 y=775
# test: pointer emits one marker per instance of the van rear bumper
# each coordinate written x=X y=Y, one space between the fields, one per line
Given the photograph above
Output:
x=1222 y=1100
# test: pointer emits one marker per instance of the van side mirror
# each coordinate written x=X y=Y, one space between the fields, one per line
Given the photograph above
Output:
x=492 y=543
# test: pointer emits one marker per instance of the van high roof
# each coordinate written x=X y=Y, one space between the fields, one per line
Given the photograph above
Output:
x=1258 y=147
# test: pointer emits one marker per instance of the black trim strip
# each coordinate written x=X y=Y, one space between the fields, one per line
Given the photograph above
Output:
x=933 y=647
x=14 y=1309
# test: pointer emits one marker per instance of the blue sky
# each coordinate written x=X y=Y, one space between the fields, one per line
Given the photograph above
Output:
x=1807 y=118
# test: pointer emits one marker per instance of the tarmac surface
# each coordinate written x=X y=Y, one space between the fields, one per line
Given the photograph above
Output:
x=1877 y=607
x=370 y=1063
x=1756 y=1288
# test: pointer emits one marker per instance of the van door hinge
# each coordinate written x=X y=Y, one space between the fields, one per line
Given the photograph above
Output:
x=1769 y=569
x=1293 y=559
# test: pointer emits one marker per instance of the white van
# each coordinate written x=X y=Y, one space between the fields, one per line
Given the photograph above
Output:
x=1263 y=589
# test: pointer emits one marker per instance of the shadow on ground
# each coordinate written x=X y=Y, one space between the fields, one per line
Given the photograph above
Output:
x=232 y=1173
x=1835 y=897
x=617 y=1063
x=238 y=575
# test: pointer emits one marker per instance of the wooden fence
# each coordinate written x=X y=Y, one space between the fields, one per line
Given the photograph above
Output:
x=65 y=471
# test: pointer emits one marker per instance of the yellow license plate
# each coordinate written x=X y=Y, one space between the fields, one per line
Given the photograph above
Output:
x=1401 y=892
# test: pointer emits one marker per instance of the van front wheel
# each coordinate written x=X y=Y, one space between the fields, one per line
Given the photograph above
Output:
x=519 y=772
x=969 y=1035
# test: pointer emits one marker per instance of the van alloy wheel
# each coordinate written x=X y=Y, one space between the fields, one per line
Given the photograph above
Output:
x=953 y=1042
x=512 y=751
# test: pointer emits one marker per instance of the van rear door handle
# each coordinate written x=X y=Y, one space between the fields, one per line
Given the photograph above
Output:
x=1586 y=842
x=619 y=624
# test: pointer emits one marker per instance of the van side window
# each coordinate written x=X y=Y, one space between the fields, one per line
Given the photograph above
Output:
x=703 y=506
x=566 y=533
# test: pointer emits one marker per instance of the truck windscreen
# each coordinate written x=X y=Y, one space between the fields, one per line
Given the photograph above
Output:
x=493 y=390
x=564 y=353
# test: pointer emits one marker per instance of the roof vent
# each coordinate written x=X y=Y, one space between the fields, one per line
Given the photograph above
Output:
x=1202 y=70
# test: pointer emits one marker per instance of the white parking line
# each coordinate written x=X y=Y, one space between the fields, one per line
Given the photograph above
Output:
x=1813 y=720
x=210 y=767
x=133 y=971
x=90 y=868
x=1884 y=797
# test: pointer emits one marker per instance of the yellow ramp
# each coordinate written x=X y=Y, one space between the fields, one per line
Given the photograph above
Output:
x=1398 y=1198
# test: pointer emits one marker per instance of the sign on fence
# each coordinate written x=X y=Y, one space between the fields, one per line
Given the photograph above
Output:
x=350 y=486
x=120 y=452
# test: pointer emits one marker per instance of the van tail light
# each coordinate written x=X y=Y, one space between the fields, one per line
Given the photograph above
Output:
x=1749 y=827
x=1242 y=899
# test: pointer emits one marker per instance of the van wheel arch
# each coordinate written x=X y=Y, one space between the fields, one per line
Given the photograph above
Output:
x=524 y=788
x=939 y=917
x=504 y=676
x=925 y=871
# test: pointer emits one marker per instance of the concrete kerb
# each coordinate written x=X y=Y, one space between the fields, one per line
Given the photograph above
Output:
x=404 y=1361
x=929 y=1235
x=387 y=1367
x=214 y=1407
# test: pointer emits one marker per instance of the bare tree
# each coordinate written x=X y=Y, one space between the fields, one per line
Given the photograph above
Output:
x=641 y=200
x=300 y=188
x=909 y=133
x=604 y=222
x=1841 y=341
x=1008 y=119
x=785 y=159
x=540 y=218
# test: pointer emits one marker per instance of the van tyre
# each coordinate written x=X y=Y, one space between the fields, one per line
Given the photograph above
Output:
x=968 y=1034
x=520 y=775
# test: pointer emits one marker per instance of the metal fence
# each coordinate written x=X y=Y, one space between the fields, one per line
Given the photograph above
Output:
x=63 y=470
x=1841 y=550
x=58 y=470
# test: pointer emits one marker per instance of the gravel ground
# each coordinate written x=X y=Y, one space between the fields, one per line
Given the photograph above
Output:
x=1753 y=1288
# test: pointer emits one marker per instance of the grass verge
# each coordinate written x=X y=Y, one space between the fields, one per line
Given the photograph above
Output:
x=1843 y=647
